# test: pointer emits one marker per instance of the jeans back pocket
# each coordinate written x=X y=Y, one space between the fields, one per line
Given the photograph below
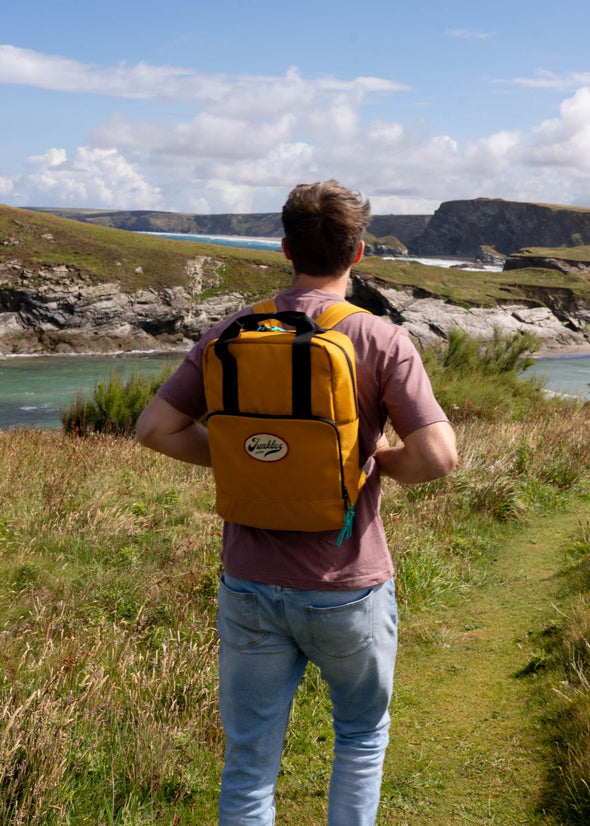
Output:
x=237 y=618
x=342 y=630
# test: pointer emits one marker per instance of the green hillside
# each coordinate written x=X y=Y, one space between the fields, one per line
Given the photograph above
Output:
x=37 y=239
x=33 y=240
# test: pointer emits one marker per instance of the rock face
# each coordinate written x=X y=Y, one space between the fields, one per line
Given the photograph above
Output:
x=55 y=310
x=403 y=227
x=564 y=265
x=460 y=228
x=556 y=318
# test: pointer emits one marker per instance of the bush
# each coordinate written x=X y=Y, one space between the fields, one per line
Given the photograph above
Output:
x=483 y=380
x=115 y=405
x=503 y=354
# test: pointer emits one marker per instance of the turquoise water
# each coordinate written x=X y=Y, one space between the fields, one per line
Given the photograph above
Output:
x=33 y=389
x=223 y=240
x=568 y=374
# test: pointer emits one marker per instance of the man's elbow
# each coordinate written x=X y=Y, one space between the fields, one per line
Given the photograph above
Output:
x=443 y=458
x=447 y=463
x=145 y=431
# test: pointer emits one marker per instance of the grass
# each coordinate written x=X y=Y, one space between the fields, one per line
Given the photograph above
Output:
x=108 y=642
x=109 y=559
x=487 y=289
x=469 y=741
x=95 y=253
x=578 y=253
x=564 y=651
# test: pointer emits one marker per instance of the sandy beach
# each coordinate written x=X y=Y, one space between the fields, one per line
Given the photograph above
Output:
x=561 y=351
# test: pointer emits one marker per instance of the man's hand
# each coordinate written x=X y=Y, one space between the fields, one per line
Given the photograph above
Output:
x=426 y=454
x=165 y=429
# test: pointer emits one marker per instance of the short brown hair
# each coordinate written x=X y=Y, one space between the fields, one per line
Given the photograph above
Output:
x=324 y=223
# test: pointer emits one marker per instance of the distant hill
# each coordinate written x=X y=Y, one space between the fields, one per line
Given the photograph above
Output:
x=255 y=225
x=457 y=228
x=460 y=228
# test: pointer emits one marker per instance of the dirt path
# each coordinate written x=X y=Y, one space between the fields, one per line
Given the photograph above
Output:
x=466 y=743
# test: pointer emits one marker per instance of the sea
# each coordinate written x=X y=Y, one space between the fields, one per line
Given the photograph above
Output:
x=222 y=240
x=35 y=389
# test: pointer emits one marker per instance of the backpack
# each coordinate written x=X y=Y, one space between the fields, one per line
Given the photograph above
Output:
x=283 y=420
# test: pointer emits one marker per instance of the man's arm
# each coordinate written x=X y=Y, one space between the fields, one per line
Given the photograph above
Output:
x=427 y=453
x=165 y=429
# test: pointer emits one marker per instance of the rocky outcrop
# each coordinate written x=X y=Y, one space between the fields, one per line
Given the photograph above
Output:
x=556 y=318
x=56 y=310
x=564 y=265
x=460 y=228
x=389 y=247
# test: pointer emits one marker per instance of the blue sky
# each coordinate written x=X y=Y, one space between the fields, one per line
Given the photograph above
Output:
x=224 y=106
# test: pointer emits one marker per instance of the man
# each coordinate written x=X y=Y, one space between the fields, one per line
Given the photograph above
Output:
x=289 y=597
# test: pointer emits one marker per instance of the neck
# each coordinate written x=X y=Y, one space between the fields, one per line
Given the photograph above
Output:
x=328 y=283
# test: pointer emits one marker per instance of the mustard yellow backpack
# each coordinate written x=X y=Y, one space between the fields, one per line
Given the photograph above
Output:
x=283 y=420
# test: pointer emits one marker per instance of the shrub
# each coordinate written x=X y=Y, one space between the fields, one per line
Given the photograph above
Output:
x=115 y=405
x=483 y=380
x=503 y=354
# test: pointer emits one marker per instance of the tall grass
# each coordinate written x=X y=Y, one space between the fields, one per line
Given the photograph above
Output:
x=568 y=702
x=107 y=643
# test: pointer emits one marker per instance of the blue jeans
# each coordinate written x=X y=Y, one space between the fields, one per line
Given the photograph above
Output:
x=267 y=635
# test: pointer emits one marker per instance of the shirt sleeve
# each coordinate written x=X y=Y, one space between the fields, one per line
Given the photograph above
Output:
x=406 y=390
x=184 y=389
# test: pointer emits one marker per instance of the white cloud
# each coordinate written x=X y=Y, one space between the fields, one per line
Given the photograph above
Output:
x=237 y=95
x=27 y=67
x=100 y=177
x=469 y=34
x=544 y=79
x=208 y=135
x=6 y=187
x=565 y=141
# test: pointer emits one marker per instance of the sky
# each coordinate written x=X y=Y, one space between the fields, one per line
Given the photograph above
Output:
x=223 y=106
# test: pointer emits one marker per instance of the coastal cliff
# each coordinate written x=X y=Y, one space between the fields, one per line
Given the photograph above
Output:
x=482 y=229
x=57 y=310
x=461 y=228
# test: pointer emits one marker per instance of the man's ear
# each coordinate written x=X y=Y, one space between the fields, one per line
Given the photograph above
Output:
x=359 y=253
x=285 y=249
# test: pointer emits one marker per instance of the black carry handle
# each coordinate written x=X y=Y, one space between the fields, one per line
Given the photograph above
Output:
x=305 y=329
x=300 y=321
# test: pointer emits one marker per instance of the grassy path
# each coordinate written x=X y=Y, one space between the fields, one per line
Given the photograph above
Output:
x=466 y=743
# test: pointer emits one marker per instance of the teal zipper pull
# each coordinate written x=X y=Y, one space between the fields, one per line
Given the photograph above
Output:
x=346 y=531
